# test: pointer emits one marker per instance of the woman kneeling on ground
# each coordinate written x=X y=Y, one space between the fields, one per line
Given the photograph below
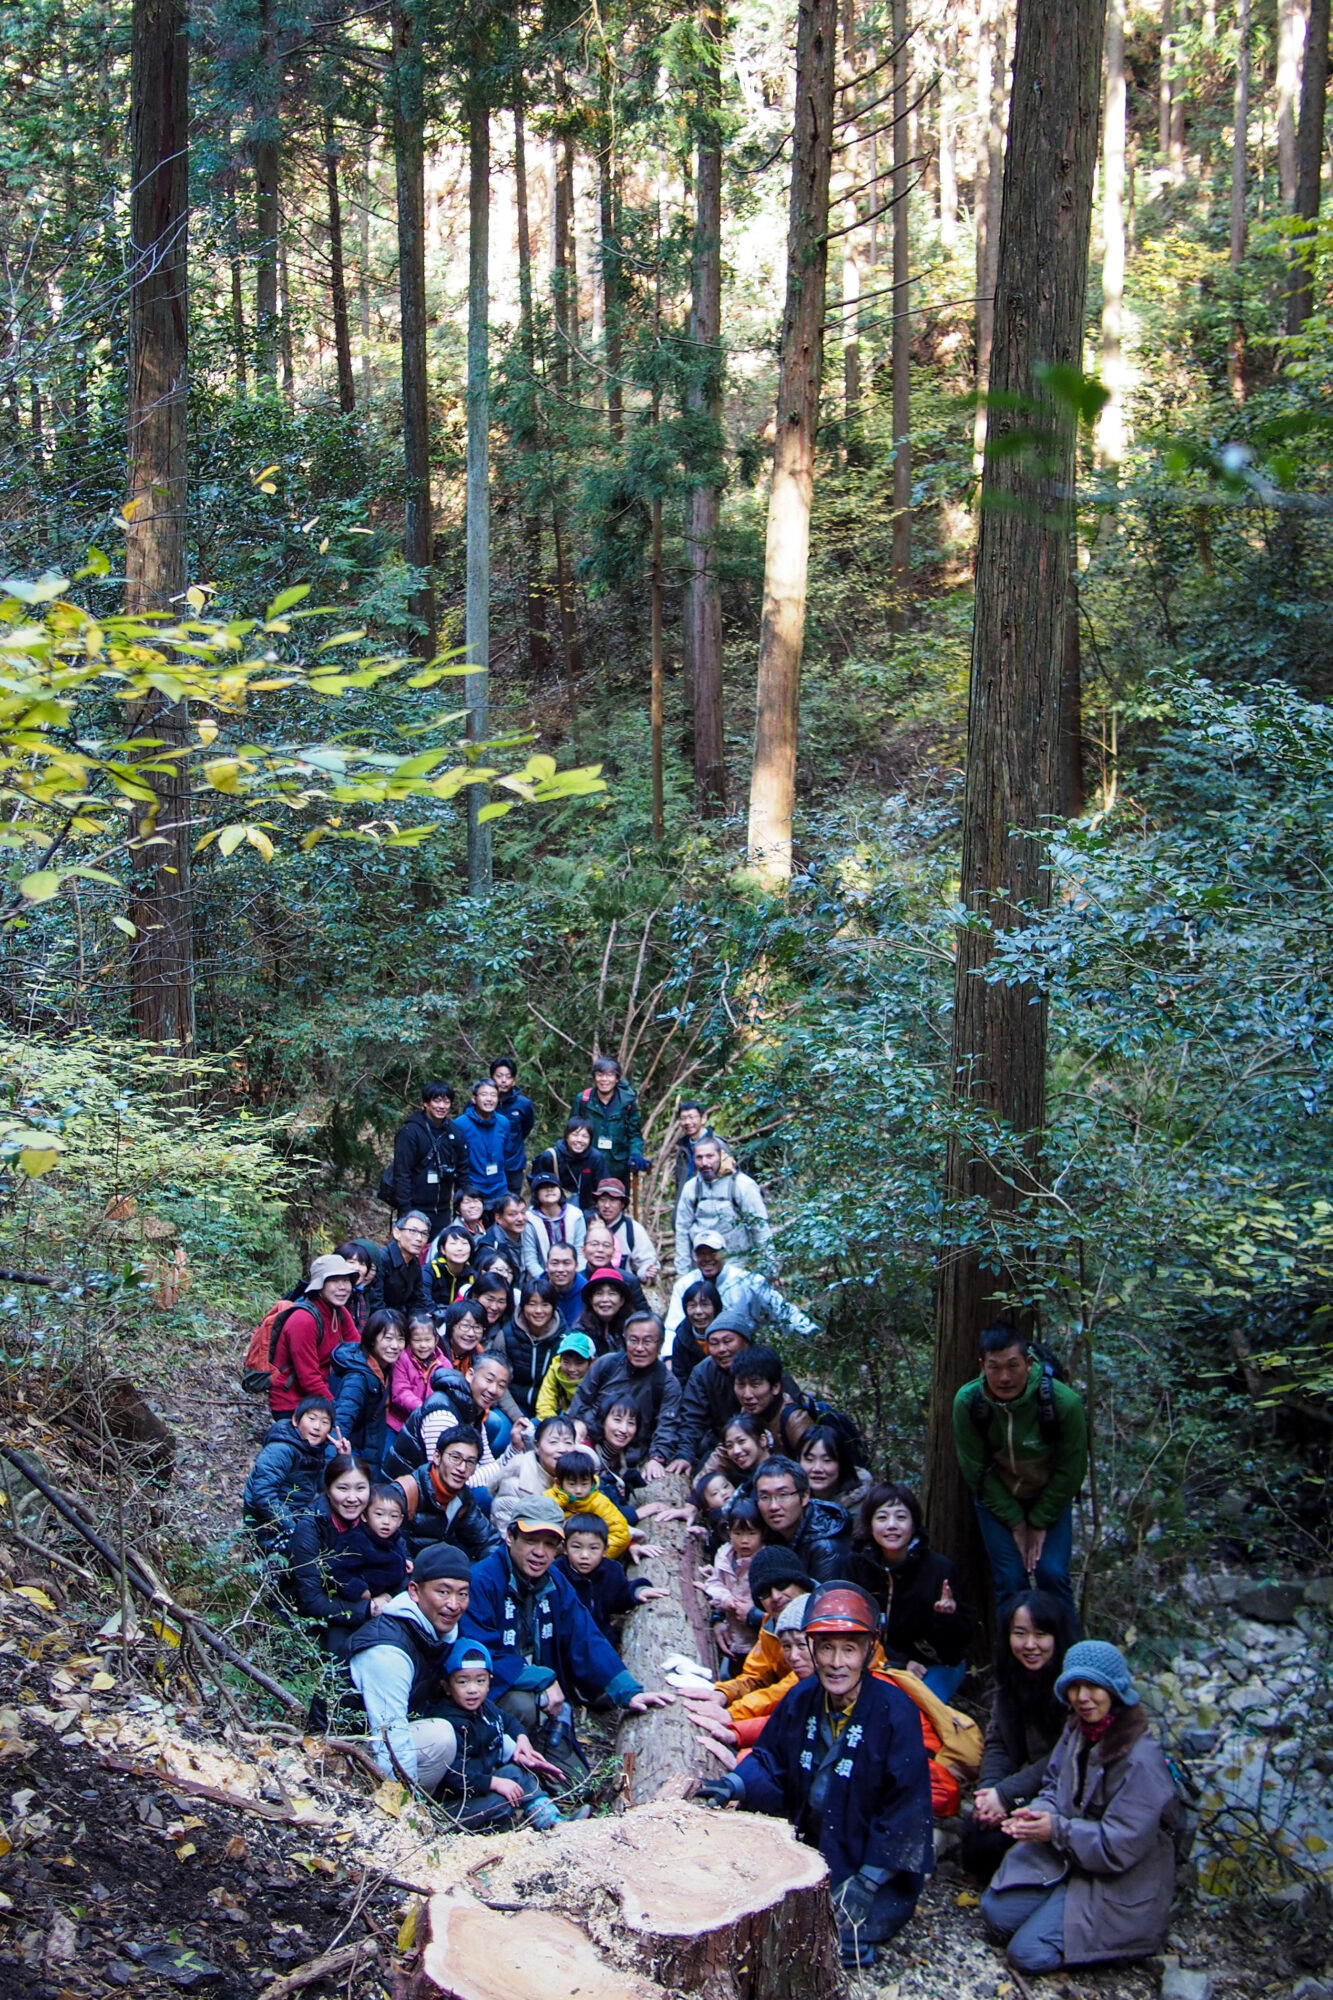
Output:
x=1092 y=1870
x=1027 y=1721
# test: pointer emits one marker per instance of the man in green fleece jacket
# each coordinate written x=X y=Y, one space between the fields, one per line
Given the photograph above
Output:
x=1022 y=1443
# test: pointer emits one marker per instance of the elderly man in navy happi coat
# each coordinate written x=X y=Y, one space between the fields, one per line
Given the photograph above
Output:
x=842 y=1758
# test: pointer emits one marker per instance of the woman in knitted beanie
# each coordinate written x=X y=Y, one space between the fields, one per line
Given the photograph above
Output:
x=1092 y=1870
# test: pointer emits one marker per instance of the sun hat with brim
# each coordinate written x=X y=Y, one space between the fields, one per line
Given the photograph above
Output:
x=540 y=1516
x=1101 y=1663
x=577 y=1343
x=330 y=1265
x=607 y=1275
x=708 y=1239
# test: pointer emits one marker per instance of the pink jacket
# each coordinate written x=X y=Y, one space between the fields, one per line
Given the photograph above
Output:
x=410 y=1385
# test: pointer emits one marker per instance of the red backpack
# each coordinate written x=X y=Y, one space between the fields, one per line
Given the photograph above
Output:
x=257 y=1367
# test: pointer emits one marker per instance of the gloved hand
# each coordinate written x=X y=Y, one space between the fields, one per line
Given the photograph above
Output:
x=638 y=1165
x=719 y=1791
x=855 y=1900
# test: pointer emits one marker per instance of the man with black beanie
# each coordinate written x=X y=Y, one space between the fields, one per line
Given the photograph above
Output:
x=397 y=1663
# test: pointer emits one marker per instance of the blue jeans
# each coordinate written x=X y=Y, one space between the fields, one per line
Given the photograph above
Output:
x=1030 y=1922
x=1007 y=1565
x=945 y=1681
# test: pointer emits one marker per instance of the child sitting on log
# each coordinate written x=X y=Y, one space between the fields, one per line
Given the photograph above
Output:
x=725 y=1584
x=491 y=1781
x=286 y=1480
x=370 y=1560
x=576 y=1492
x=596 y=1578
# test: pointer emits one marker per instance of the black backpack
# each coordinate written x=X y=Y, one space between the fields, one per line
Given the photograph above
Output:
x=1048 y=1415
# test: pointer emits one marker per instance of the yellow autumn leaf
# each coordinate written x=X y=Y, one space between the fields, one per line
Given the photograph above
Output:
x=30 y=1590
x=407 y=1930
x=100 y=1683
x=185 y=1850
x=390 y=1797
x=966 y=1900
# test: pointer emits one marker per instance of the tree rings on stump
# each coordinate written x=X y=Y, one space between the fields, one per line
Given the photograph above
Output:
x=666 y=1899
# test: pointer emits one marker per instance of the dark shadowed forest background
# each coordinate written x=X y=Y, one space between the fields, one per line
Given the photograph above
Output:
x=481 y=359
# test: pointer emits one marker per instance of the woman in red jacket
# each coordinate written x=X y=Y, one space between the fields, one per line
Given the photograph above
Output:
x=310 y=1333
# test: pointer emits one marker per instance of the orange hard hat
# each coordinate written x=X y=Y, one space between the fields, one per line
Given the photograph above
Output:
x=841 y=1607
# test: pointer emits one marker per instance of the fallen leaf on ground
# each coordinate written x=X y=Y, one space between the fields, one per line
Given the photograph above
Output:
x=390 y=1797
x=34 y=1595
x=100 y=1683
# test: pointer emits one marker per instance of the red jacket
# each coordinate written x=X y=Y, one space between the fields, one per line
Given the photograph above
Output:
x=305 y=1347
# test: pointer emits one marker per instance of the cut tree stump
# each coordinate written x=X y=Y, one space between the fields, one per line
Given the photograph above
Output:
x=667 y=1899
x=660 y=1750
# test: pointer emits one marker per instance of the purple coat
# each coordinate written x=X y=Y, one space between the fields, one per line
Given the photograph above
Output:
x=1111 y=1839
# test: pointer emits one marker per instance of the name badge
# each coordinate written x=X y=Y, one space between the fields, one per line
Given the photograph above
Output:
x=605 y=1145
x=491 y=1167
x=432 y=1180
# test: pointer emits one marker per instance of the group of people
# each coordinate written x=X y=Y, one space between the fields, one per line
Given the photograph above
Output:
x=453 y=1488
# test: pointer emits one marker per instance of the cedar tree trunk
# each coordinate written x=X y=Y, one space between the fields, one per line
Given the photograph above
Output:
x=998 y=1056
x=342 y=332
x=1309 y=160
x=787 y=546
x=478 y=618
x=410 y=170
x=162 y=962
x=703 y=601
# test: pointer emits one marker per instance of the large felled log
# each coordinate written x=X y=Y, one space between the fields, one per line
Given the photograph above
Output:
x=661 y=1749
x=668 y=1898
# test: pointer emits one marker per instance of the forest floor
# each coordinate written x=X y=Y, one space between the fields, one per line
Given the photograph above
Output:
x=111 y=1881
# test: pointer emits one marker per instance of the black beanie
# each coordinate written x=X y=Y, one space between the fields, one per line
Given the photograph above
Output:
x=443 y=1559
x=772 y=1567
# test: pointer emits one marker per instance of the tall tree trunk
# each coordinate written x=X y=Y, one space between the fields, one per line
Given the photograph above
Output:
x=363 y=275
x=948 y=147
x=285 y=322
x=998 y=1057
x=902 y=329
x=478 y=481
x=1165 y=59
x=1239 y=191
x=410 y=173
x=852 y=433
x=993 y=73
x=787 y=545
x=539 y=653
x=1111 y=423
x=1178 y=91
x=162 y=961
x=342 y=332
x=1309 y=161
x=1291 y=40
x=703 y=600
x=267 y=154
x=564 y=273
x=237 y=289
x=611 y=256
x=1071 y=705
x=655 y=693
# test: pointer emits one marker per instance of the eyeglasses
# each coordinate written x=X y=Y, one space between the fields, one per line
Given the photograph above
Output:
x=777 y=1493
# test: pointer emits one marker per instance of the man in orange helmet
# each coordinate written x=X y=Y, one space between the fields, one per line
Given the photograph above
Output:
x=842 y=1758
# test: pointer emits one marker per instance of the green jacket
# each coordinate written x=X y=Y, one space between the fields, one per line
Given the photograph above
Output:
x=1009 y=1466
x=616 y=1133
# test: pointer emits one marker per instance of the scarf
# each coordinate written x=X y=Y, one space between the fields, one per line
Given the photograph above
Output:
x=441 y=1491
x=1093 y=1732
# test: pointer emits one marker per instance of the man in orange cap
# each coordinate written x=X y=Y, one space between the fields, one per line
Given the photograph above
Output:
x=842 y=1758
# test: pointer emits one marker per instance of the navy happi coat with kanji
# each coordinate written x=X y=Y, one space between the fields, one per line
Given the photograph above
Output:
x=877 y=1810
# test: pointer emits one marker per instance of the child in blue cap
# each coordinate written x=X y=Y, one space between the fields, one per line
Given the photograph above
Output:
x=491 y=1782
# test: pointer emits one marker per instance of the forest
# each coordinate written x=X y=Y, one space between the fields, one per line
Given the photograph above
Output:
x=786 y=544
